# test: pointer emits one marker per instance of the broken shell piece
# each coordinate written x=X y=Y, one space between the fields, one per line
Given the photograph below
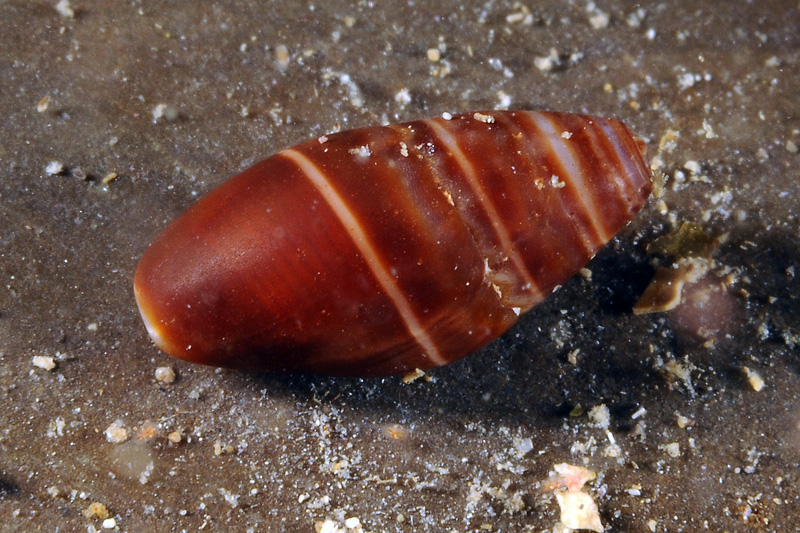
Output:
x=570 y=477
x=578 y=511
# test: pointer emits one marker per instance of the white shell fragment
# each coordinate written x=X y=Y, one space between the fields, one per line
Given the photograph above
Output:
x=578 y=509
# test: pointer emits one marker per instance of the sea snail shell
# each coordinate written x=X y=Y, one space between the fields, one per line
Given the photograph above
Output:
x=385 y=249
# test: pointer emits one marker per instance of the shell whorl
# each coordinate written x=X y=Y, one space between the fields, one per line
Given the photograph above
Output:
x=384 y=249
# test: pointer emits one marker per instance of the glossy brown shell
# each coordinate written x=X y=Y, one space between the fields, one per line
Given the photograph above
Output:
x=385 y=249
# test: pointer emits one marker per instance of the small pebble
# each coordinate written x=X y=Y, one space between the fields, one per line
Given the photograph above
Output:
x=96 y=510
x=54 y=168
x=282 y=57
x=45 y=362
x=116 y=432
x=65 y=10
x=165 y=374
x=755 y=379
x=673 y=449
x=175 y=437
x=43 y=104
x=167 y=112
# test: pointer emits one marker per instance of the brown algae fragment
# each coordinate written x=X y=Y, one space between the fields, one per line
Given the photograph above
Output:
x=664 y=292
x=690 y=240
